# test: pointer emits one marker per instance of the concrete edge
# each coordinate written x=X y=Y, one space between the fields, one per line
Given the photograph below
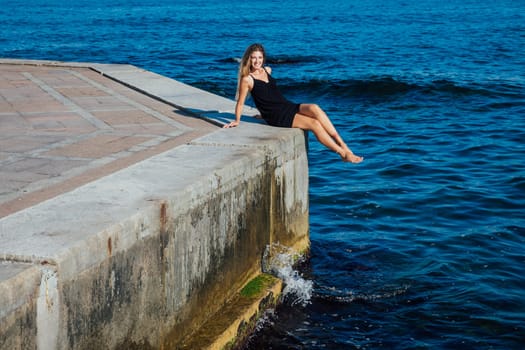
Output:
x=138 y=186
x=17 y=282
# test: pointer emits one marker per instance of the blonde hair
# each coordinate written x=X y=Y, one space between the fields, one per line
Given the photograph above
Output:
x=245 y=64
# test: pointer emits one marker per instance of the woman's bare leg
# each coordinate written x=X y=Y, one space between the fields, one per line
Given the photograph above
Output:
x=314 y=111
x=308 y=123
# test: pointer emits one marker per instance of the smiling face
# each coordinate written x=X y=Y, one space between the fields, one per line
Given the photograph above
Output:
x=256 y=60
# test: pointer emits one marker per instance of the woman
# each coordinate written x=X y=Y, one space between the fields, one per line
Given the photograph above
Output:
x=255 y=78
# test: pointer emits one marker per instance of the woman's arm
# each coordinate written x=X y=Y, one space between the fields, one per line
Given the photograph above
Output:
x=243 y=93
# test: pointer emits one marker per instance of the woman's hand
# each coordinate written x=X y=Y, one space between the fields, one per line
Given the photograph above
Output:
x=231 y=125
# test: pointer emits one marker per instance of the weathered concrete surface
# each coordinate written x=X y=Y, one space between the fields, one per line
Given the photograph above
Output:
x=142 y=256
x=19 y=295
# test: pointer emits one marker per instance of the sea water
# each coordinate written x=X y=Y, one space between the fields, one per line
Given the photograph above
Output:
x=422 y=245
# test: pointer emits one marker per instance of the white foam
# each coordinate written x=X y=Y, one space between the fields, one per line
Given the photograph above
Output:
x=279 y=260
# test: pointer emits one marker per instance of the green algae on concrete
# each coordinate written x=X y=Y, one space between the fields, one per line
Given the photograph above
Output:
x=256 y=286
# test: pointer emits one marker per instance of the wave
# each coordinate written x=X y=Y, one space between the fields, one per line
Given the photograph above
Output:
x=384 y=86
x=335 y=296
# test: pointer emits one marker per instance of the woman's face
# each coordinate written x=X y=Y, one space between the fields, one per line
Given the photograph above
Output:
x=256 y=59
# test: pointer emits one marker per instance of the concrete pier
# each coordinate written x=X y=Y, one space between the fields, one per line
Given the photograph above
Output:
x=129 y=219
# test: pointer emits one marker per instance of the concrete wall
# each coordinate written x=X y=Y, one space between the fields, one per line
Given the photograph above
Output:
x=142 y=257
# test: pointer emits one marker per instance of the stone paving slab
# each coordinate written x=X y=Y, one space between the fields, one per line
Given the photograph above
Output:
x=65 y=124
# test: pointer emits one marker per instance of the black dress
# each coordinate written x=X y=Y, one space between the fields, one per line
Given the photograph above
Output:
x=275 y=109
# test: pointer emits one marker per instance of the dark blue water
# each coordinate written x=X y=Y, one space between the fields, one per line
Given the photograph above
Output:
x=422 y=245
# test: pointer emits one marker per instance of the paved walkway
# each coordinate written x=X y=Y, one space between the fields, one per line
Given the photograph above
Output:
x=61 y=127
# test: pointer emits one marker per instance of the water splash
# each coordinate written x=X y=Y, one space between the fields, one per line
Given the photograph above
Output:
x=279 y=261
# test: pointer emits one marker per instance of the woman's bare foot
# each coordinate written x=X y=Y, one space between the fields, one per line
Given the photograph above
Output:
x=348 y=156
x=343 y=145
